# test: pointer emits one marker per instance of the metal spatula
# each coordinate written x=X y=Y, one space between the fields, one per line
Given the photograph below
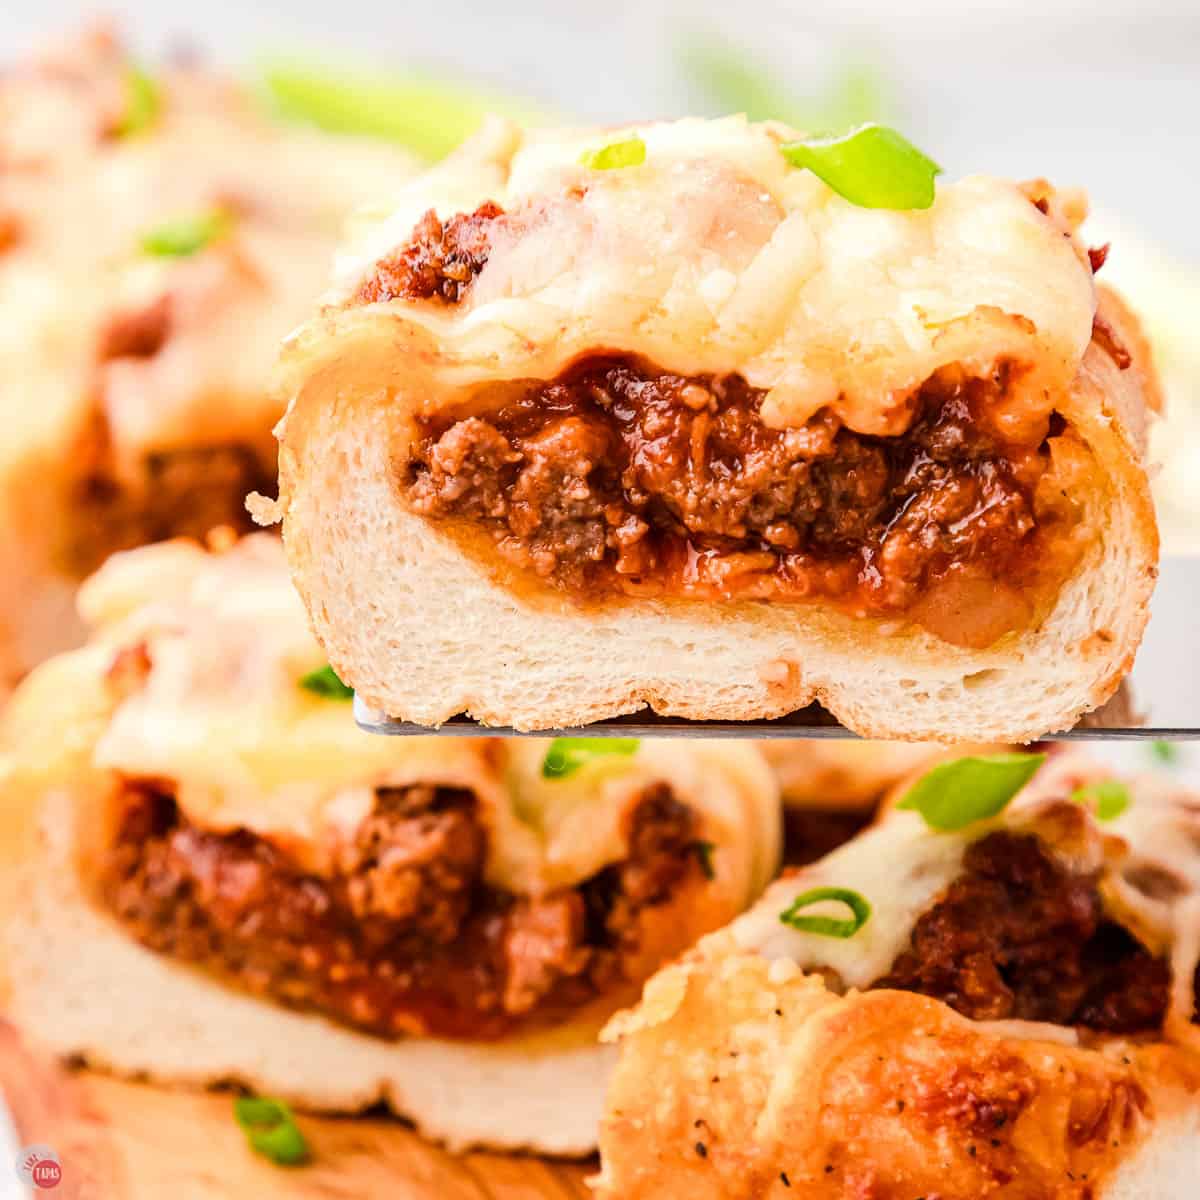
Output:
x=1160 y=697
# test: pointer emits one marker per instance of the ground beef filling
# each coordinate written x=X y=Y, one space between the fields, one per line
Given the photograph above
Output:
x=175 y=493
x=1019 y=937
x=405 y=937
x=439 y=262
x=120 y=501
x=617 y=478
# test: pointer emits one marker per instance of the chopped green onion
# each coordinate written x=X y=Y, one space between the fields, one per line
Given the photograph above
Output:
x=630 y=152
x=837 y=927
x=1108 y=799
x=186 y=236
x=142 y=103
x=704 y=856
x=1163 y=751
x=428 y=116
x=567 y=755
x=871 y=166
x=271 y=1129
x=958 y=793
x=324 y=682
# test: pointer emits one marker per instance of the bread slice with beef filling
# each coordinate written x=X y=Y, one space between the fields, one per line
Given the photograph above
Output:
x=1000 y=1007
x=159 y=234
x=696 y=433
x=216 y=876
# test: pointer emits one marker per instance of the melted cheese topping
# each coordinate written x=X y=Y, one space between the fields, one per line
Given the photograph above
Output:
x=717 y=256
x=221 y=714
x=902 y=868
x=552 y=825
x=895 y=865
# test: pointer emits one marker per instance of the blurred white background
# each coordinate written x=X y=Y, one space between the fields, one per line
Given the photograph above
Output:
x=1103 y=93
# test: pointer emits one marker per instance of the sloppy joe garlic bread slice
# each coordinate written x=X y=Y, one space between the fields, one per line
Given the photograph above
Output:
x=221 y=877
x=158 y=235
x=698 y=433
x=1001 y=1007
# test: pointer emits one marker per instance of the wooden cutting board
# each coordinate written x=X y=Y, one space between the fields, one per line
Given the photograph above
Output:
x=118 y=1140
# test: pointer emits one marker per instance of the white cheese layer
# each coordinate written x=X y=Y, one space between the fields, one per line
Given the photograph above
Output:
x=897 y=866
x=716 y=255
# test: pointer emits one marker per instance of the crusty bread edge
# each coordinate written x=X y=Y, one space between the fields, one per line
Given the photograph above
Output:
x=773 y=1073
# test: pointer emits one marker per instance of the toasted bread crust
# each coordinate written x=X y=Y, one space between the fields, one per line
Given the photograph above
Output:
x=739 y=1079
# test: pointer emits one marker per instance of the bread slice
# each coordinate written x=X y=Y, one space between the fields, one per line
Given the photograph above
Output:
x=134 y=384
x=741 y=1079
x=776 y=1062
x=83 y=988
x=427 y=620
x=191 y=683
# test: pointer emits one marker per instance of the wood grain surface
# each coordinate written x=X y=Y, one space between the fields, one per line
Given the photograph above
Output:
x=119 y=1140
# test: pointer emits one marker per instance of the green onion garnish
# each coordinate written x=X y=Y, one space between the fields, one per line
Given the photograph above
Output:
x=271 y=1129
x=425 y=114
x=567 y=755
x=871 y=166
x=1107 y=799
x=704 y=856
x=958 y=793
x=630 y=152
x=837 y=927
x=1163 y=751
x=324 y=682
x=186 y=236
x=142 y=103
